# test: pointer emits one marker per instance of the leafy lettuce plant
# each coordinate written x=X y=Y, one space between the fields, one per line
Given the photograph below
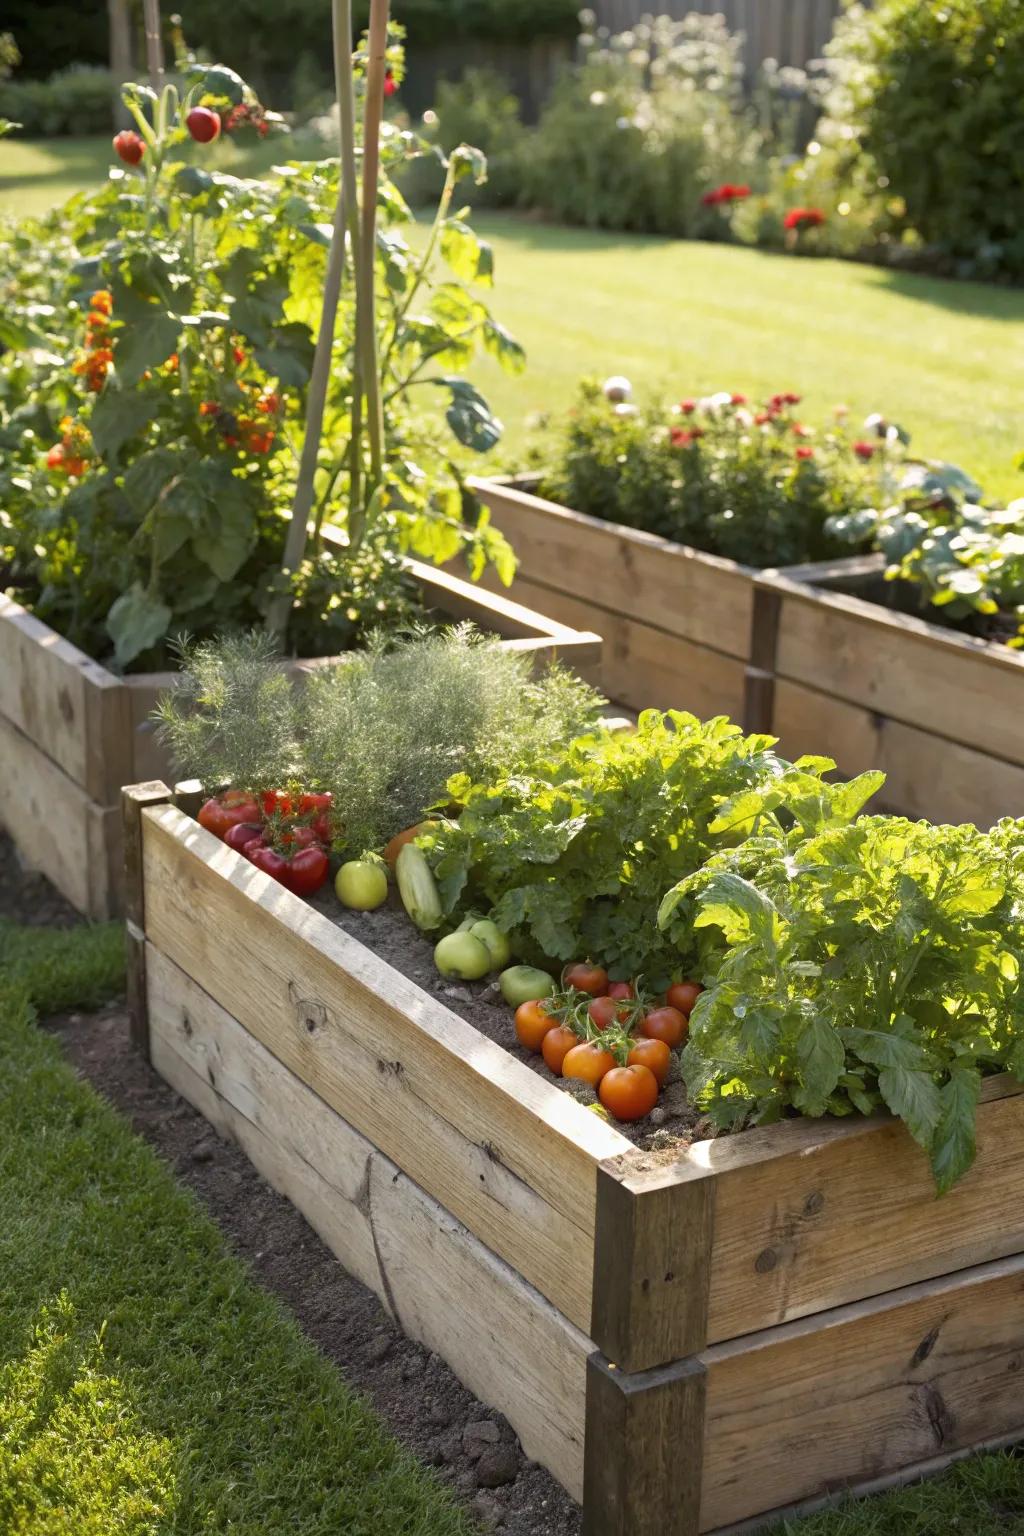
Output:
x=873 y=964
x=573 y=851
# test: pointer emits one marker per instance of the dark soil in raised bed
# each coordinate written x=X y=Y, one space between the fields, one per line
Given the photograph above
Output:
x=672 y=1125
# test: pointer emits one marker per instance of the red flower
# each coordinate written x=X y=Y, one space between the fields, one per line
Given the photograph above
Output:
x=803 y=218
x=739 y=399
x=239 y=356
x=247 y=116
x=269 y=405
x=209 y=408
x=762 y=417
x=728 y=192
x=799 y=430
x=390 y=83
x=687 y=407
x=805 y=452
x=683 y=437
x=864 y=450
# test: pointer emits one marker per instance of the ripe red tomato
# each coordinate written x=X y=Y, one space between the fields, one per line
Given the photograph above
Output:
x=588 y=1062
x=586 y=978
x=683 y=996
x=276 y=802
x=629 y=1093
x=128 y=146
x=203 y=124
x=654 y=1055
x=532 y=1023
x=227 y=810
x=556 y=1045
x=621 y=989
x=241 y=834
x=666 y=1024
x=298 y=836
x=302 y=874
x=606 y=1011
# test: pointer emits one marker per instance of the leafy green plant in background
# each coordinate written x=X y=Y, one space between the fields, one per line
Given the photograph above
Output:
x=737 y=478
x=872 y=964
x=929 y=100
x=144 y=483
x=964 y=561
x=573 y=851
x=78 y=99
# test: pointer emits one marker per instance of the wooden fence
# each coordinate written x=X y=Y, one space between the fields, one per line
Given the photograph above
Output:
x=791 y=31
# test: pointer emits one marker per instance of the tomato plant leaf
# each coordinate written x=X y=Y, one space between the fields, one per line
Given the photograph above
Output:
x=136 y=621
x=954 y=1144
x=117 y=417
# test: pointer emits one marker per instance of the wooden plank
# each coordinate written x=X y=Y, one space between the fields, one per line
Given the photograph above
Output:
x=813 y=1214
x=926 y=775
x=652 y=1264
x=133 y=799
x=510 y=1155
x=687 y=593
x=645 y=1433
x=444 y=1288
x=951 y=686
x=646 y=668
x=834 y=1400
x=56 y=828
x=52 y=692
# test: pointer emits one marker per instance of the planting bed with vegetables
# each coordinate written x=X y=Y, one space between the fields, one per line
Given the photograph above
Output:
x=836 y=991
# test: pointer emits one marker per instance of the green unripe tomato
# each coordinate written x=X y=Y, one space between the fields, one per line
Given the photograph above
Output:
x=494 y=941
x=525 y=984
x=462 y=956
x=361 y=885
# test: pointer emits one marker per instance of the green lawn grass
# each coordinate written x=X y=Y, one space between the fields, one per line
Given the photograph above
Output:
x=147 y=1385
x=944 y=359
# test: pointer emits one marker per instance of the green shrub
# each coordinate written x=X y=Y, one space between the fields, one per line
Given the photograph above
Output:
x=77 y=100
x=931 y=94
x=754 y=484
x=479 y=109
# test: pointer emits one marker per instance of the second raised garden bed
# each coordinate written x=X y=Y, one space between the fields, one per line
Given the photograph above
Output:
x=940 y=712
x=687 y=1340
x=72 y=734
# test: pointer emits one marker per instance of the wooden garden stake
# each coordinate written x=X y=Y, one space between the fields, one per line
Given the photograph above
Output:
x=154 y=43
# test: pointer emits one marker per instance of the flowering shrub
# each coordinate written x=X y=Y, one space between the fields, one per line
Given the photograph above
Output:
x=151 y=418
x=750 y=481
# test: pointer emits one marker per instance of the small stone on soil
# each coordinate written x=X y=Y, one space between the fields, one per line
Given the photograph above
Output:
x=499 y=1464
x=479 y=1436
x=203 y=1151
x=488 y=1511
x=379 y=1348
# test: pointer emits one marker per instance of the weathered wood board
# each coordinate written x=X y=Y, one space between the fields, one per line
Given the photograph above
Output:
x=940 y=713
x=675 y=621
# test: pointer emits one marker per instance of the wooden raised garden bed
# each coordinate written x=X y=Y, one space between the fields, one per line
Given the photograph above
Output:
x=751 y=1324
x=73 y=734
x=675 y=621
x=941 y=713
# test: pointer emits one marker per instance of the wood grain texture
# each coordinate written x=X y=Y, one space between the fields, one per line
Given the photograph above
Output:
x=697 y=597
x=443 y=1287
x=57 y=829
x=59 y=700
x=644 y=1447
x=652 y=1264
x=948 y=685
x=811 y=1214
x=926 y=775
x=832 y=1401
x=509 y=1154
x=134 y=799
x=646 y=668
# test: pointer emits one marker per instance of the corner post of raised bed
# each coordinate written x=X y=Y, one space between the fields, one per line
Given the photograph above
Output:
x=134 y=799
x=759 y=681
x=643 y=1450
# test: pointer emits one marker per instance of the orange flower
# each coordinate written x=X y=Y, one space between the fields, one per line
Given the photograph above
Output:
x=103 y=301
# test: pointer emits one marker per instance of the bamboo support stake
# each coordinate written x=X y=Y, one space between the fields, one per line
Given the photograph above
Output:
x=154 y=43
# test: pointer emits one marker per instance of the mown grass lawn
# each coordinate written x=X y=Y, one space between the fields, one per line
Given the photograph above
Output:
x=944 y=359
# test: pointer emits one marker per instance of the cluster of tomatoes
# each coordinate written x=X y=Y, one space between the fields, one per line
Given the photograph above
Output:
x=96 y=361
x=609 y=1034
x=254 y=433
x=70 y=455
x=285 y=833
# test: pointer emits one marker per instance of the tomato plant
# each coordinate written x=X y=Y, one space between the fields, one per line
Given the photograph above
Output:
x=586 y=978
x=232 y=808
x=654 y=1054
x=683 y=995
x=532 y=1022
x=556 y=1045
x=629 y=1092
x=666 y=1024
x=588 y=1062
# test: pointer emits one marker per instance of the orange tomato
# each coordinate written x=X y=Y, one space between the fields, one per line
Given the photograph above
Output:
x=586 y=978
x=603 y=1012
x=683 y=996
x=588 y=1062
x=629 y=1093
x=556 y=1045
x=654 y=1055
x=666 y=1024
x=532 y=1023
